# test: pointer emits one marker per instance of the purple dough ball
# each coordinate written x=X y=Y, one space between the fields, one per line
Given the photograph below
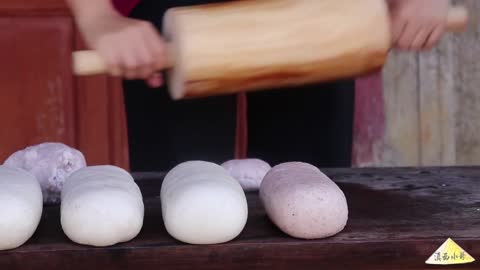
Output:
x=50 y=163
x=248 y=172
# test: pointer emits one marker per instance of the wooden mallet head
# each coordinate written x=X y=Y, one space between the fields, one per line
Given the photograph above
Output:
x=218 y=49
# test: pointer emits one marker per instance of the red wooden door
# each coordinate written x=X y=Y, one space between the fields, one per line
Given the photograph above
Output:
x=36 y=87
x=40 y=99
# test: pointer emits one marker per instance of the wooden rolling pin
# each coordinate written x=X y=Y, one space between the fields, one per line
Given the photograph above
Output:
x=250 y=45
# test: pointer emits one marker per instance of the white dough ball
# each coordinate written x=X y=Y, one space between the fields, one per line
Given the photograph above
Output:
x=101 y=206
x=248 y=172
x=202 y=204
x=303 y=202
x=51 y=164
x=20 y=206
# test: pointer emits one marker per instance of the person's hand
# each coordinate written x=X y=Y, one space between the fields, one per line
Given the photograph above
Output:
x=418 y=24
x=131 y=48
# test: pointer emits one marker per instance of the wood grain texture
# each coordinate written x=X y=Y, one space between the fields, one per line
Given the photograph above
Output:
x=437 y=105
x=101 y=119
x=33 y=7
x=466 y=48
x=239 y=46
x=369 y=120
x=36 y=96
x=402 y=146
x=432 y=102
x=40 y=99
x=397 y=219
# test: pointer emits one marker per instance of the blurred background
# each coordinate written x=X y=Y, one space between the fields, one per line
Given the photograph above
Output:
x=420 y=110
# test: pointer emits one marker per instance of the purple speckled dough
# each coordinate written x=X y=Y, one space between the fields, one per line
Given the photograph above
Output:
x=50 y=163
x=303 y=202
x=248 y=172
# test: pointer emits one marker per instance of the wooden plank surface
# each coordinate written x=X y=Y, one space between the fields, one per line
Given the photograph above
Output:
x=101 y=122
x=398 y=218
x=369 y=120
x=402 y=145
x=41 y=100
x=36 y=93
x=33 y=7
x=431 y=102
x=467 y=83
x=437 y=105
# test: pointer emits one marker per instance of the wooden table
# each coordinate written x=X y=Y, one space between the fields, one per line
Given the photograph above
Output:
x=398 y=218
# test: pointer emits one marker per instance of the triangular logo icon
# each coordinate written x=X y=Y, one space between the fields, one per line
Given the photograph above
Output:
x=450 y=253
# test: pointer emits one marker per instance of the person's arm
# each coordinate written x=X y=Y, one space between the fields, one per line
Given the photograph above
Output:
x=418 y=24
x=131 y=48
